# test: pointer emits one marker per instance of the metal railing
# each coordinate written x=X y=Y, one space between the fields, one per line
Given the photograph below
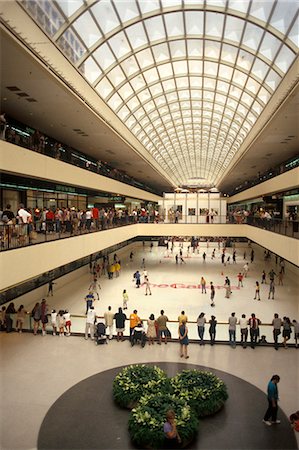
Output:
x=21 y=235
x=222 y=334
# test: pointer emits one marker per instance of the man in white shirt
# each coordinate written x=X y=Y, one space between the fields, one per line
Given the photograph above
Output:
x=90 y=320
x=109 y=316
x=244 y=330
x=23 y=220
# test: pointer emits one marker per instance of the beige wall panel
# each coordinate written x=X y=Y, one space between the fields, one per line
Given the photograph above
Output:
x=21 y=161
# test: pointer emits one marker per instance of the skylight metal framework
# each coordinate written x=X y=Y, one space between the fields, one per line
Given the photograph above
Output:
x=189 y=78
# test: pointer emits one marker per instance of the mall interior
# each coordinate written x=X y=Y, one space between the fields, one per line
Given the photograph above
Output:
x=158 y=136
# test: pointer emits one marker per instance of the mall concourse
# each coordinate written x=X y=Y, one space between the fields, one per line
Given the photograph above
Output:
x=150 y=141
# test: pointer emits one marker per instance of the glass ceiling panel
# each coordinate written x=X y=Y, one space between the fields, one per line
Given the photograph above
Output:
x=188 y=78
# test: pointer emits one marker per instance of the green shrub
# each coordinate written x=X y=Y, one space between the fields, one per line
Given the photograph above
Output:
x=147 y=420
x=137 y=380
x=202 y=390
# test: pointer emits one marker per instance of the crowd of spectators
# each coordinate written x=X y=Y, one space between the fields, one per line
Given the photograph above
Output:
x=19 y=134
x=26 y=223
x=260 y=216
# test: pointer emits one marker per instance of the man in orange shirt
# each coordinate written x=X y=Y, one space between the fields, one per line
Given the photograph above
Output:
x=134 y=320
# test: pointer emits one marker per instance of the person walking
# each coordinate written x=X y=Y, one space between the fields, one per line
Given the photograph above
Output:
x=212 y=329
x=271 y=290
x=257 y=291
x=125 y=299
x=109 y=317
x=203 y=285
x=245 y=270
x=212 y=287
x=277 y=323
x=240 y=279
x=137 y=277
x=184 y=340
x=264 y=277
x=201 y=327
x=50 y=288
x=232 y=325
x=272 y=396
x=244 y=330
x=252 y=256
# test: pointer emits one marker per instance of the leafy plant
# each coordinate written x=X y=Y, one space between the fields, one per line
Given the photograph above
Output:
x=202 y=390
x=147 y=420
x=137 y=380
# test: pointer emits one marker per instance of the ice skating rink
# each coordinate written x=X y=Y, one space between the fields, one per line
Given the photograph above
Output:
x=176 y=287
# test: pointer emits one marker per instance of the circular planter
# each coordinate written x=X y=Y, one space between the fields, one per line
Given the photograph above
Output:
x=147 y=420
x=203 y=391
x=134 y=381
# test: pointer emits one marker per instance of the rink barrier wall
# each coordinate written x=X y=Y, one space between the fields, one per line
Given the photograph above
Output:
x=26 y=263
x=78 y=330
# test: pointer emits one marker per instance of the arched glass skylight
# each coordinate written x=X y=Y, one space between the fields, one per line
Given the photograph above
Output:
x=188 y=78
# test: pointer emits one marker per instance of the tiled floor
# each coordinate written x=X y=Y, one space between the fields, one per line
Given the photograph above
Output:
x=35 y=371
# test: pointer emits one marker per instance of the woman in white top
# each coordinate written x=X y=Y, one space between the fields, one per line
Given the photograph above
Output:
x=21 y=314
x=151 y=329
x=68 y=323
x=54 y=321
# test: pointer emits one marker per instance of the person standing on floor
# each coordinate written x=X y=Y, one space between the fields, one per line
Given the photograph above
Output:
x=254 y=323
x=184 y=340
x=296 y=331
x=252 y=256
x=44 y=315
x=212 y=329
x=277 y=323
x=151 y=333
x=162 y=327
x=176 y=258
x=244 y=330
x=67 y=321
x=232 y=325
x=234 y=257
x=212 y=287
x=272 y=395
x=54 y=321
x=120 y=320
x=203 y=285
x=90 y=321
x=182 y=317
x=257 y=291
x=125 y=299
x=109 y=317
x=286 y=331
x=201 y=327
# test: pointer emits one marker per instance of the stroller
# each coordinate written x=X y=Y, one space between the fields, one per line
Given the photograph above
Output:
x=138 y=336
x=100 y=334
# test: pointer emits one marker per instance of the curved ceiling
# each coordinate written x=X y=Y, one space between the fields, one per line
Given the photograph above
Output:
x=189 y=78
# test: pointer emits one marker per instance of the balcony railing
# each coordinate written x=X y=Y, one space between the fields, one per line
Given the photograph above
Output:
x=20 y=235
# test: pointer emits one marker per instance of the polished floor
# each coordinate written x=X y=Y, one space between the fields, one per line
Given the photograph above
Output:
x=37 y=371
